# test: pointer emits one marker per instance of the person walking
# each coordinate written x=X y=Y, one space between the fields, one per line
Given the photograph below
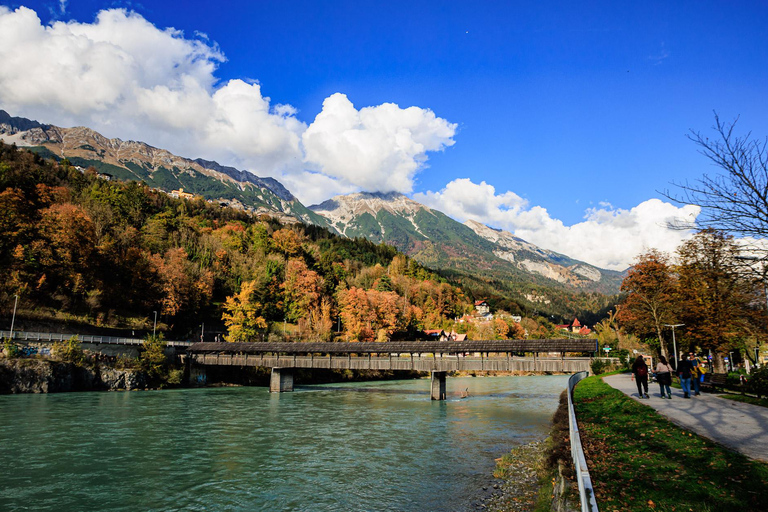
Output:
x=684 y=369
x=695 y=373
x=664 y=377
x=640 y=375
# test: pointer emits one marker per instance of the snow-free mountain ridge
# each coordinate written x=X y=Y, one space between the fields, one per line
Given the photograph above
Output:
x=132 y=160
x=428 y=235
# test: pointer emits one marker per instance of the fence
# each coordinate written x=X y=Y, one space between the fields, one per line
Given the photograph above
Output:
x=84 y=338
x=586 y=491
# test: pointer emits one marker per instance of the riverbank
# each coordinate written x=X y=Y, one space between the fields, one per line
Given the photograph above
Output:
x=639 y=460
x=37 y=375
x=538 y=476
x=44 y=375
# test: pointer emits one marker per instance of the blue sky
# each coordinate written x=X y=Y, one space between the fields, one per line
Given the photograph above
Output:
x=563 y=107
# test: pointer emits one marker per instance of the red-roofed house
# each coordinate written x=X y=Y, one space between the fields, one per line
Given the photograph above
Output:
x=575 y=327
x=482 y=307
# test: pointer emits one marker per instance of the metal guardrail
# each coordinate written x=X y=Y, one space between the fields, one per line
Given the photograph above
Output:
x=84 y=338
x=586 y=491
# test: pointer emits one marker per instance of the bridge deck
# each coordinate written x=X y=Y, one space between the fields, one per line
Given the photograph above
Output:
x=401 y=347
x=391 y=362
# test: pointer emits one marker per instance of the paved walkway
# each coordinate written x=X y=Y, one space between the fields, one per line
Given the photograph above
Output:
x=741 y=427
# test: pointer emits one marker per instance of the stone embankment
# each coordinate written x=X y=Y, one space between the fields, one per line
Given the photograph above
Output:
x=44 y=376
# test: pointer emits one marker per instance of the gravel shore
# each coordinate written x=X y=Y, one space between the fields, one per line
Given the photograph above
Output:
x=518 y=490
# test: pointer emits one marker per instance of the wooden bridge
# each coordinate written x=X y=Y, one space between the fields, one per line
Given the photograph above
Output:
x=437 y=357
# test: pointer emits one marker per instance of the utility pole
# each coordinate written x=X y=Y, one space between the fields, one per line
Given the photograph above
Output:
x=13 y=320
x=674 y=343
x=202 y=333
x=154 y=329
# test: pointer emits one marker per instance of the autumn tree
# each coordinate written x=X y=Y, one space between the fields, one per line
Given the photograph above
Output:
x=650 y=286
x=185 y=287
x=302 y=290
x=719 y=306
x=370 y=314
x=243 y=314
x=288 y=241
x=357 y=314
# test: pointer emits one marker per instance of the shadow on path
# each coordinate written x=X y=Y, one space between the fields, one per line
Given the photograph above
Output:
x=739 y=426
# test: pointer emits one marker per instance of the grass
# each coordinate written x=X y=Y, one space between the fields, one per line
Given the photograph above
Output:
x=638 y=460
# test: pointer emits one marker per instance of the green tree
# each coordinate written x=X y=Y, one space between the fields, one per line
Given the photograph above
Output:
x=152 y=358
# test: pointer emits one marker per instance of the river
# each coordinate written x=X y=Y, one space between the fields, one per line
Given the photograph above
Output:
x=374 y=446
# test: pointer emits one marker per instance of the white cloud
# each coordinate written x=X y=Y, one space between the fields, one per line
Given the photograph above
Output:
x=608 y=237
x=375 y=148
x=124 y=77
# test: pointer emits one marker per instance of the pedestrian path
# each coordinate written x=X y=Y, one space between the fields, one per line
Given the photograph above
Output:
x=741 y=427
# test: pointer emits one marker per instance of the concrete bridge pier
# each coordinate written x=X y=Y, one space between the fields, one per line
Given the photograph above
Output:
x=281 y=380
x=438 y=385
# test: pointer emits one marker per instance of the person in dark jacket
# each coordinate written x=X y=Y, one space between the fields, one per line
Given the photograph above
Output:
x=684 y=369
x=640 y=374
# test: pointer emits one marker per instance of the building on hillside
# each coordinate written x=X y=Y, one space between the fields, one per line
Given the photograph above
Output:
x=441 y=335
x=482 y=307
x=180 y=194
x=575 y=327
x=435 y=334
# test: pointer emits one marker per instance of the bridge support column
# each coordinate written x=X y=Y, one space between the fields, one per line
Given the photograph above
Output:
x=438 y=385
x=281 y=380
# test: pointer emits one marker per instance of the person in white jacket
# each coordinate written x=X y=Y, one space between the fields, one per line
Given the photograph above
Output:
x=664 y=377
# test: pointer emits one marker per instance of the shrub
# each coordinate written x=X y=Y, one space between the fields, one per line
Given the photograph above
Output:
x=70 y=351
x=152 y=357
x=10 y=349
x=734 y=378
x=758 y=382
x=599 y=366
x=175 y=377
x=624 y=357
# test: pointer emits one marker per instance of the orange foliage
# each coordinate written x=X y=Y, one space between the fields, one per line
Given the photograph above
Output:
x=288 y=241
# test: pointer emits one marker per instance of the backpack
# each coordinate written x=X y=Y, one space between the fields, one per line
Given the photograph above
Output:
x=642 y=371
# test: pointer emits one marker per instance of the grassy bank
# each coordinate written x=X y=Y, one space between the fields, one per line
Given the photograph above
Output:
x=638 y=460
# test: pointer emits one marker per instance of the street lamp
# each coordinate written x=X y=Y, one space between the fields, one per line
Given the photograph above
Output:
x=154 y=329
x=674 y=343
x=13 y=320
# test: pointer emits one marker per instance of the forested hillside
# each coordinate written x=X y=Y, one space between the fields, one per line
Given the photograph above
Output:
x=115 y=252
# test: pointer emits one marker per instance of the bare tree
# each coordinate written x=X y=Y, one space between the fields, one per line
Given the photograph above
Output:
x=735 y=199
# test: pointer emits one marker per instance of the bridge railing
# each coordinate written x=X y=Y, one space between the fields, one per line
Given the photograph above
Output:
x=586 y=491
x=84 y=338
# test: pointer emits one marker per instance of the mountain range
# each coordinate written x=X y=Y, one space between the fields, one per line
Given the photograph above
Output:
x=472 y=249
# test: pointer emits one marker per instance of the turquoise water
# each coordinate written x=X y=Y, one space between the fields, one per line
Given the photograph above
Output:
x=378 y=446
